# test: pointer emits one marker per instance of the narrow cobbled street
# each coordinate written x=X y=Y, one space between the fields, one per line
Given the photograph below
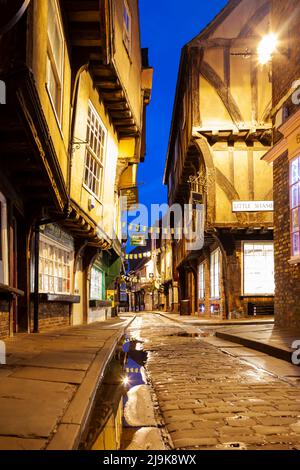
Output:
x=209 y=399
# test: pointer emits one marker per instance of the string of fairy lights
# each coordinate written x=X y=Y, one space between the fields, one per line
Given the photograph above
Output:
x=143 y=229
x=152 y=230
x=146 y=254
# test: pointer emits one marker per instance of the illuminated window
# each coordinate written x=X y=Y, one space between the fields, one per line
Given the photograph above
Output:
x=55 y=58
x=201 y=277
x=95 y=153
x=295 y=205
x=97 y=288
x=259 y=268
x=127 y=32
x=215 y=270
x=55 y=267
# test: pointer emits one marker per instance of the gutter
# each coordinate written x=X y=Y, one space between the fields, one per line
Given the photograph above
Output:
x=16 y=18
x=73 y=114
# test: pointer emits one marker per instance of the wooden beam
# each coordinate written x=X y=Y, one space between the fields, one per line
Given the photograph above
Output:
x=82 y=40
x=217 y=83
x=116 y=106
x=251 y=174
x=84 y=16
x=79 y=5
x=132 y=130
x=253 y=22
x=112 y=96
x=102 y=70
x=195 y=60
x=254 y=89
x=125 y=123
x=227 y=67
x=121 y=114
x=107 y=84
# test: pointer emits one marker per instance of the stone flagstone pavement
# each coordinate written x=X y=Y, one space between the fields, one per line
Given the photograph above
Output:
x=49 y=382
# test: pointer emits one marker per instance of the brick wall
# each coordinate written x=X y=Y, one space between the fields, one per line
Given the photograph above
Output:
x=4 y=318
x=52 y=315
x=287 y=278
x=285 y=21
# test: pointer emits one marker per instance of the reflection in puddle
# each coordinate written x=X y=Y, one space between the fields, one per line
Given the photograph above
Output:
x=104 y=430
x=123 y=415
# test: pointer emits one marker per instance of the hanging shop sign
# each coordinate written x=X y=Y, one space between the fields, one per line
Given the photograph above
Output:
x=138 y=240
x=57 y=234
x=132 y=197
x=196 y=199
x=110 y=296
x=252 y=206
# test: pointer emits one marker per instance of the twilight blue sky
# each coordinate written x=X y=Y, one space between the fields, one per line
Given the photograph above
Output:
x=166 y=25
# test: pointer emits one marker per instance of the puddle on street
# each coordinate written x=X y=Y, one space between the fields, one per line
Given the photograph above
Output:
x=123 y=415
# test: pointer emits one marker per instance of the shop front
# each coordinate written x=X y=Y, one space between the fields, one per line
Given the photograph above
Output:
x=240 y=279
x=55 y=286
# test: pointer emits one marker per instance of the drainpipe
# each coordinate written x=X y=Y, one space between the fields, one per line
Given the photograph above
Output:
x=72 y=124
x=16 y=18
x=36 y=278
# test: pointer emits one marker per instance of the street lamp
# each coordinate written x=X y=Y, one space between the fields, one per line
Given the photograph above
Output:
x=266 y=48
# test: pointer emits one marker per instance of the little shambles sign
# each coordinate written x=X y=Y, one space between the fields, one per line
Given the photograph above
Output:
x=252 y=206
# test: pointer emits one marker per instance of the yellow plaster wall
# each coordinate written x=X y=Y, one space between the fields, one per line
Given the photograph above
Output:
x=101 y=214
x=129 y=65
x=59 y=132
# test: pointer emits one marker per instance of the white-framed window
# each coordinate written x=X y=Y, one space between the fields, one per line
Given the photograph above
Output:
x=259 y=268
x=56 y=262
x=201 y=281
x=95 y=153
x=97 y=288
x=3 y=241
x=127 y=27
x=215 y=274
x=295 y=205
x=55 y=58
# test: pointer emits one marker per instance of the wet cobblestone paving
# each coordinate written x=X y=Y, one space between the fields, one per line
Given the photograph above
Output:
x=212 y=400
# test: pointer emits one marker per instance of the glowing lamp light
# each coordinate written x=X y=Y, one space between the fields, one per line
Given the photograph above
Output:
x=267 y=47
x=126 y=381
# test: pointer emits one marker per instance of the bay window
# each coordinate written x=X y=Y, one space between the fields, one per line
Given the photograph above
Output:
x=97 y=284
x=295 y=205
x=259 y=268
x=55 y=58
x=55 y=268
x=215 y=270
x=95 y=153
x=127 y=32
